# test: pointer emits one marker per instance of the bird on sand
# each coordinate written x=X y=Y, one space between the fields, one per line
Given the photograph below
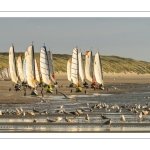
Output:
x=87 y=104
x=91 y=109
x=49 y=120
x=31 y=113
x=42 y=100
x=66 y=96
x=0 y=112
x=108 y=122
x=60 y=111
x=74 y=113
x=82 y=109
x=123 y=118
x=24 y=113
x=35 y=120
x=58 y=118
x=104 y=117
x=68 y=120
x=35 y=110
x=115 y=88
x=140 y=115
x=87 y=117
x=79 y=111
x=144 y=112
x=65 y=112
x=119 y=110
x=61 y=107
x=94 y=106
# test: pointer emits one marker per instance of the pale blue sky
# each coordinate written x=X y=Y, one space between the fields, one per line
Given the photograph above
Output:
x=124 y=37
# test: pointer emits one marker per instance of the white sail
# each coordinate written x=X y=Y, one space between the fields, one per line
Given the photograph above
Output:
x=69 y=69
x=44 y=66
x=30 y=67
x=81 y=69
x=24 y=67
x=98 y=69
x=9 y=75
x=1 y=76
x=51 y=65
x=6 y=72
x=75 y=67
x=37 y=71
x=88 y=66
x=20 y=68
x=12 y=65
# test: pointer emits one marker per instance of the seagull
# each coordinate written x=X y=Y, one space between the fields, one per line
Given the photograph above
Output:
x=42 y=100
x=135 y=111
x=21 y=110
x=94 y=106
x=123 y=118
x=60 y=111
x=104 y=117
x=140 y=115
x=108 y=122
x=31 y=113
x=24 y=113
x=79 y=112
x=75 y=113
x=119 y=111
x=61 y=107
x=49 y=120
x=67 y=113
x=82 y=109
x=18 y=112
x=115 y=88
x=35 y=110
x=35 y=120
x=58 y=118
x=87 y=104
x=68 y=120
x=144 y=112
x=66 y=96
x=91 y=109
x=87 y=117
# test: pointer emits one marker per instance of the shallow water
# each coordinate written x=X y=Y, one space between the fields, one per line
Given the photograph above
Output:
x=8 y=122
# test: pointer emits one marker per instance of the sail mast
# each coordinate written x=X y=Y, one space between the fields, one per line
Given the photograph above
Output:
x=77 y=66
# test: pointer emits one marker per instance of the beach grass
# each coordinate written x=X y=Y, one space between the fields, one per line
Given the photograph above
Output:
x=110 y=64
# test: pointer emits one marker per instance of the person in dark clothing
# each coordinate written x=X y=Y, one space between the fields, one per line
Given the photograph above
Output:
x=101 y=87
x=85 y=84
x=17 y=87
x=71 y=85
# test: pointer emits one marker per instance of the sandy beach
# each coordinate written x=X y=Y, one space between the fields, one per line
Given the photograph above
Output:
x=112 y=79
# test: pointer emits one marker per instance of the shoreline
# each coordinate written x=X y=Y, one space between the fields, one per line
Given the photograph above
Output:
x=110 y=80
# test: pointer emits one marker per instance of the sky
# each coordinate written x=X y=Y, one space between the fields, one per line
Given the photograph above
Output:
x=127 y=37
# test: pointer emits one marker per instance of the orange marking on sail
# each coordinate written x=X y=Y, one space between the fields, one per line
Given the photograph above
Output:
x=53 y=76
x=87 y=52
x=69 y=60
x=33 y=80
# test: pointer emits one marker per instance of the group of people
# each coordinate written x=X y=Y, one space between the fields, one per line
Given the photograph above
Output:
x=85 y=85
x=50 y=88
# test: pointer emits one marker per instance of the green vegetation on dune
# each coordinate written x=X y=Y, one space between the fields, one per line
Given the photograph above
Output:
x=109 y=63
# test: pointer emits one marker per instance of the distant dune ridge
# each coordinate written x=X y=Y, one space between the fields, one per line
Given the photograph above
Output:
x=111 y=64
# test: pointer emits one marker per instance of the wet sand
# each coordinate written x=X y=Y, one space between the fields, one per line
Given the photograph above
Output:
x=110 y=80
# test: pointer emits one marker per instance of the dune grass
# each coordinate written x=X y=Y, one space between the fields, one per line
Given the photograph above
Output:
x=112 y=64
